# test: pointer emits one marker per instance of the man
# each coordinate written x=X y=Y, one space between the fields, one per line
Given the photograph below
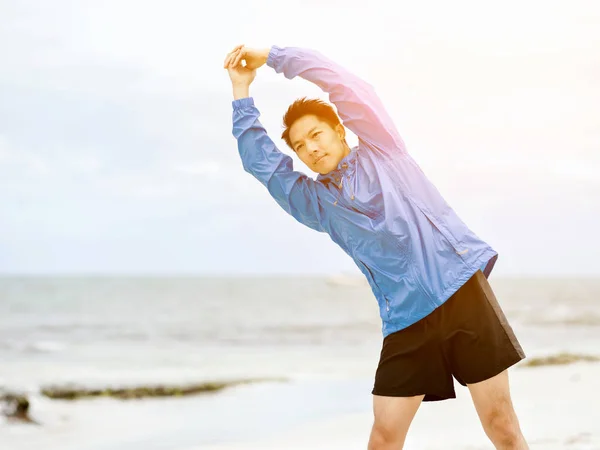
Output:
x=426 y=268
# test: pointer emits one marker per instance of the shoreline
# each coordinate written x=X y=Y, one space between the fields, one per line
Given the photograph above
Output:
x=548 y=424
x=557 y=407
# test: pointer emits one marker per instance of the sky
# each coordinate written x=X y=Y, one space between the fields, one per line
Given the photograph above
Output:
x=117 y=157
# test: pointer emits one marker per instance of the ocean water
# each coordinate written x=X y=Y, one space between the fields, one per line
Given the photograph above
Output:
x=321 y=334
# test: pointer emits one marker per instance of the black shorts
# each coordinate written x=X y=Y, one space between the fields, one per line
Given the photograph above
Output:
x=467 y=337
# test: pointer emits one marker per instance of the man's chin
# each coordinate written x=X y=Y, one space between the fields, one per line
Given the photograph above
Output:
x=325 y=172
x=322 y=166
x=323 y=169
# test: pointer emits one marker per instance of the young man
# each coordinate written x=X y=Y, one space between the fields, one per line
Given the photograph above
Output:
x=426 y=268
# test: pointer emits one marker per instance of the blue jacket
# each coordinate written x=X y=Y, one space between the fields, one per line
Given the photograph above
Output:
x=377 y=205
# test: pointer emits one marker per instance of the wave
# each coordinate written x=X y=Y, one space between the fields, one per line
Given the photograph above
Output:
x=42 y=346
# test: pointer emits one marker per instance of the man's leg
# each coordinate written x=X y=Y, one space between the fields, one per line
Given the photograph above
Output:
x=393 y=416
x=480 y=346
x=495 y=409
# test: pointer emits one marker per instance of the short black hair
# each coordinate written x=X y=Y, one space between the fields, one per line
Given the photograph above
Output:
x=305 y=106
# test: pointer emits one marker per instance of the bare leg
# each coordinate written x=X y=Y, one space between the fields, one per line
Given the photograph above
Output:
x=495 y=409
x=393 y=416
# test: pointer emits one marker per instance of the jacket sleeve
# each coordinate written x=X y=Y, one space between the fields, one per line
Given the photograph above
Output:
x=358 y=105
x=295 y=192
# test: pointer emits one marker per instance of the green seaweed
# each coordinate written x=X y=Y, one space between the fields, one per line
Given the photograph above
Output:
x=559 y=359
x=135 y=392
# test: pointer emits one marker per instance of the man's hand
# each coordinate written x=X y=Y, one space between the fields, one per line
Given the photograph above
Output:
x=254 y=58
x=241 y=77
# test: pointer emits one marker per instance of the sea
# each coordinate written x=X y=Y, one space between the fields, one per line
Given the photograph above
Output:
x=312 y=344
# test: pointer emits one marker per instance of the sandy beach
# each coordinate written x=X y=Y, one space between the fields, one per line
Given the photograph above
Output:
x=559 y=408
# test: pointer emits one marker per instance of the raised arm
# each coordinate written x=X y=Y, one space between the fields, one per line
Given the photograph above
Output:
x=294 y=191
x=358 y=105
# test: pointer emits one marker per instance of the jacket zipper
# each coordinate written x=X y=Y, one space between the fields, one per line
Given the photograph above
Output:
x=373 y=216
x=393 y=239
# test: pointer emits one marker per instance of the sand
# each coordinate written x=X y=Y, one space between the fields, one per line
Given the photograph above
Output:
x=558 y=407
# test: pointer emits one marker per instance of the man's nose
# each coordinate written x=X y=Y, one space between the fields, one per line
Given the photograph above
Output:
x=312 y=147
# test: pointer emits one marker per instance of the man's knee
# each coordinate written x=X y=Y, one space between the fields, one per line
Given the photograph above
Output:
x=384 y=437
x=502 y=426
x=393 y=416
x=494 y=406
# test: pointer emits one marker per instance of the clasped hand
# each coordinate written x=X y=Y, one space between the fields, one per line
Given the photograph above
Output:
x=244 y=74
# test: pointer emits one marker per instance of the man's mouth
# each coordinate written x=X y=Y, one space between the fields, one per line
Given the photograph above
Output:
x=319 y=158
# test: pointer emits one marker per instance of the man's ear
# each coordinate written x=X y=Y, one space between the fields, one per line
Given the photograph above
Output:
x=341 y=131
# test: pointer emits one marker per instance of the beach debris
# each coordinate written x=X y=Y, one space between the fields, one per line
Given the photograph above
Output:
x=73 y=392
x=559 y=359
x=15 y=406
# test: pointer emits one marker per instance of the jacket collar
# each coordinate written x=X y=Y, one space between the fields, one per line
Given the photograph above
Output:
x=346 y=166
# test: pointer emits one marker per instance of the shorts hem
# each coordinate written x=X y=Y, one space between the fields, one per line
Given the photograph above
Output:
x=497 y=370
x=429 y=397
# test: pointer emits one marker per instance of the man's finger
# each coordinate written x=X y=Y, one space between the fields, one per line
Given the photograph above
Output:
x=238 y=57
x=236 y=48
x=232 y=58
x=229 y=58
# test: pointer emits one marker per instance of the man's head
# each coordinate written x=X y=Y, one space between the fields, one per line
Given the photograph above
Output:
x=315 y=133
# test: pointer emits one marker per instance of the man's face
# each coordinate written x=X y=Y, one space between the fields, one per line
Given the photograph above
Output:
x=318 y=145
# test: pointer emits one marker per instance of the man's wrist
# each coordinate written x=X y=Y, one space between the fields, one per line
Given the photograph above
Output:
x=241 y=90
x=265 y=54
